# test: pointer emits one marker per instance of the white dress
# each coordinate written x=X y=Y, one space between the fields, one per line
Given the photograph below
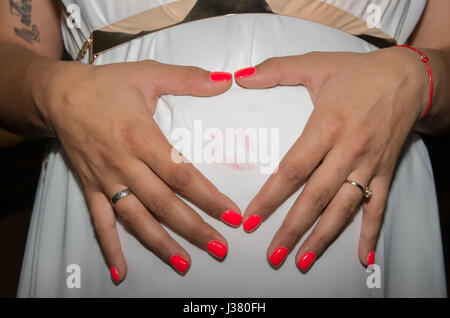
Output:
x=409 y=250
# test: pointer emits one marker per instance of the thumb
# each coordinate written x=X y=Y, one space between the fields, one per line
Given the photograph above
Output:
x=286 y=70
x=187 y=80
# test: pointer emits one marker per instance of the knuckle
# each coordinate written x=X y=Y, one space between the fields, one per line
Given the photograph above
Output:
x=319 y=198
x=213 y=204
x=332 y=129
x=313 y=54
x=367 y=237
x=199 y=231
x=264 y=204
x=129 y=215
x=106 y=155
x=320 y=239
x=149 y=72
x=160 y=244
x=133 y=180
x=377 y=214
x=274 y=65
x=109 y=159
x=132 y=139
x=320 y=75
x=147 y=63
x=100 y=227
x=347 y=209
x=114 y=163
x=360 y=145
x=273 y=62
x=190 y=74
x=291 y=234
x=292 y=172
x=161 y=204
x=204 y=229
x=180 y=178
x=314 y=82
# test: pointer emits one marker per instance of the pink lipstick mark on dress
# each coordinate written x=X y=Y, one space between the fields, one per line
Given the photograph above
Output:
x=240 y=166
x=249 y=146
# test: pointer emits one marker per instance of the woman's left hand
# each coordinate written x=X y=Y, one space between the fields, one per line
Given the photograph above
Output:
x=365 y=107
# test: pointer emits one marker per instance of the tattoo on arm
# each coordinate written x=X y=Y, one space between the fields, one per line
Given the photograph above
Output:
x=29 y=32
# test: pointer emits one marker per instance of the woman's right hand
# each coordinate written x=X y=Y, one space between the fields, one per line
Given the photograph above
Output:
x=103 y=116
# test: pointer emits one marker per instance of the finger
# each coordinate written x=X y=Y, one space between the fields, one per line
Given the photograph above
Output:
x=142 y=225
x=303 y=157
x=322 y=186
x=184 y=179
x=174 y=213
x=286 y=70
x=186 y=80
x=104 y=222
x=333 y=221
x=372 y=220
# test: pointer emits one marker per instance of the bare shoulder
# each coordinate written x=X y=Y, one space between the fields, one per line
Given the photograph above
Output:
x=34 y=24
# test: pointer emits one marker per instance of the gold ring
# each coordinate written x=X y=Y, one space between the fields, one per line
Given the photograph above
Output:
x=367 y=191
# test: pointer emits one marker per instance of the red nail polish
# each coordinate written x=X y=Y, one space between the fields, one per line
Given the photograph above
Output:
x=114 y=274
x=245 y=72
x=220 y=76
x=252 y=223
x=370 y=258
x=179 y=263
x=232 y=218
x=278 y=256
x=305 y=262
x=217 y=249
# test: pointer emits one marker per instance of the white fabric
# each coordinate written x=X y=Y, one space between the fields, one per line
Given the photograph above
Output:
x=409 y=251
x=398 y=17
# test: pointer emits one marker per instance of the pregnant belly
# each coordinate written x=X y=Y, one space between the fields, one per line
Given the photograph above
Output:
x=236 y=140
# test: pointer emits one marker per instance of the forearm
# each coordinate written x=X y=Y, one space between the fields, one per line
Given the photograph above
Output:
x=22 y=71
x=438 y=119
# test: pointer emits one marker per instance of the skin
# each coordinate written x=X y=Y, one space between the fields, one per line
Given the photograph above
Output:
x=365 y=107
x=111 y=149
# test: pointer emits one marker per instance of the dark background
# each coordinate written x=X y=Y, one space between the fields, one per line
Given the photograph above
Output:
x=20 y=164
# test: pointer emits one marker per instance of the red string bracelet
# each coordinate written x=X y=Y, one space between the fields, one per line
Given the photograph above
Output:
x=426 y=60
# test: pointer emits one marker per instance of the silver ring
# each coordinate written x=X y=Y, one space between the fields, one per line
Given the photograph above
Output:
x=119 y=195
x=367 y=191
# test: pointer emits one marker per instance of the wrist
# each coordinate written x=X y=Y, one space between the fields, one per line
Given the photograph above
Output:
x=419 y=78
x=48 y=81
x=437 y=120
x=38 y=81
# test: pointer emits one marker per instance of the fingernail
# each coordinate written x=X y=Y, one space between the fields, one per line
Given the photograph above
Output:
x=252 y=222
x=179 y=263
x=370 y=258
x=232 y=218
x=217 y=249
x=114 y=274
x=278 y=256
x=245 y=72
x=220 y=76
x=305 y=262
